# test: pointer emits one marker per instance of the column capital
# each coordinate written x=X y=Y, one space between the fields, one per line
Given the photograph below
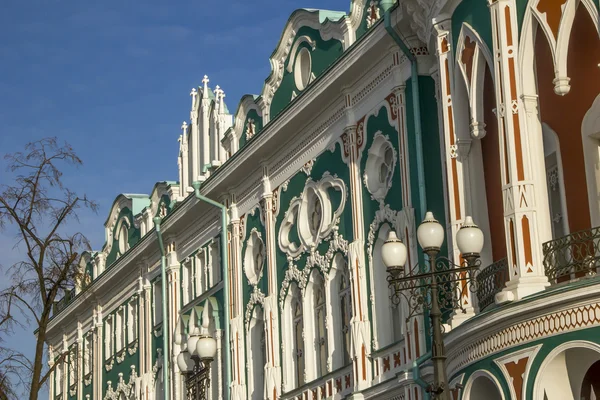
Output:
x=442 y=24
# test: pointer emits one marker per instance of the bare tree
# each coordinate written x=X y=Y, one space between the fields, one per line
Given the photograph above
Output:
x=40 y=208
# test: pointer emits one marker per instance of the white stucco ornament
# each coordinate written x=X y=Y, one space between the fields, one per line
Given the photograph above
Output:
x=254 y=257
x=312 y=215
x=380 y=167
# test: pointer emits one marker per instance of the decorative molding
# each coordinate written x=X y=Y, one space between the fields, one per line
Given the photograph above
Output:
x=252 y=269
x=256 y=298
x=127 y=390
x=580 y=317
x=307 y=168
x=515 y=367
x=108 y=364
x=311 y=215
x=314 y=259
x=327 y=30
x=377 y=158
x=373 y=14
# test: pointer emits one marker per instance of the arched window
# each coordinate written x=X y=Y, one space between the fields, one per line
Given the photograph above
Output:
x=345 y=297
x=257 y=355
x=298 y=326
x=320 y=331
x=388 y=318
x=482 y=385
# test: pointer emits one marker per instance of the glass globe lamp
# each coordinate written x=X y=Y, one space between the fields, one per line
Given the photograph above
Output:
x=206 y=347
x=193 y=341
x=469 y=238
x=184 y=361
x=430 y=233
x=393 y=252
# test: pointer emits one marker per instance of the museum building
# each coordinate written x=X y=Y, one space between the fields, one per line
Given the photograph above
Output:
x=271 y=237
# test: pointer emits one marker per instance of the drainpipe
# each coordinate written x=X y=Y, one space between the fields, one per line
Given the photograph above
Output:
x=416 y=373
x=225 y=264
x=165 y=317
x=386 y=6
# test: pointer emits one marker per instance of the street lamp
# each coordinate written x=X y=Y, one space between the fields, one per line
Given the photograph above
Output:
x=194 y=361
x=439 y=284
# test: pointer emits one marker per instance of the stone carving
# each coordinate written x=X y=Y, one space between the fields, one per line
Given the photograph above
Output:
x=123 y=390
x=256 y=297
x=380 y=167
x=254 y=257
x=314 y=259
x=311 y=215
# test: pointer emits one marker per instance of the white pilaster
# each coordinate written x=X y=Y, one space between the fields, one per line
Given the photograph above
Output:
x=519 y=150
x=456 y=164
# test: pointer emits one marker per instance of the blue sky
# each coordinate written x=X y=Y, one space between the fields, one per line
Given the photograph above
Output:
x=113 y=77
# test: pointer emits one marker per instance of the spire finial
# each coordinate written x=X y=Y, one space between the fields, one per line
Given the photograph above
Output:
x=184 y=126
x=222 y=102
x=205 y=81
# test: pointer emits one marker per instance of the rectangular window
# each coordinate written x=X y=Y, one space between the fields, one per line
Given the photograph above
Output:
x=108 y=337
x=215 y=264
x=157 y=303
x=132 y=320
x=200 y=272
x=187 y=282
x=120 y=329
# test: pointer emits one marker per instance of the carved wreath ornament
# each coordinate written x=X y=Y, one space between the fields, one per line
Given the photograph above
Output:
x=311 y=215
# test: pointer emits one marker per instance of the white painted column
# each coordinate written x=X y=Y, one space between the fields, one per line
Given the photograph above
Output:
x=519 y=150
x=353 y=140
x=80 y=349
x=236 y=332
x=453 y=149
x=273 y=371
x=98 y=353
x=173 y=304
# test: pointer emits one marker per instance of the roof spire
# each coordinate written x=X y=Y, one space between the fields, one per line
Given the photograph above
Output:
x=218 y=92
x=194 y=95
x=184 y=128
x=205 y=81
x=222 y=102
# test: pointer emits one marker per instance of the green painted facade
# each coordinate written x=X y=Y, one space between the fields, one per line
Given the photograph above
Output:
x=324 y=54
x=258 y=125
x=477 y=14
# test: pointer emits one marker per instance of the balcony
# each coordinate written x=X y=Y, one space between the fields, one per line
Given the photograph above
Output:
x=573 y=256
x=490 y=281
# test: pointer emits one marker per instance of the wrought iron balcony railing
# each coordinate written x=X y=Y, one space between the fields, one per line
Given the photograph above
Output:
x=572 y=256
x=490 y=281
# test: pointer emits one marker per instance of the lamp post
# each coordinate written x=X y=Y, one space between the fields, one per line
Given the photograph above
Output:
x=440 y=284
x=194 y=361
